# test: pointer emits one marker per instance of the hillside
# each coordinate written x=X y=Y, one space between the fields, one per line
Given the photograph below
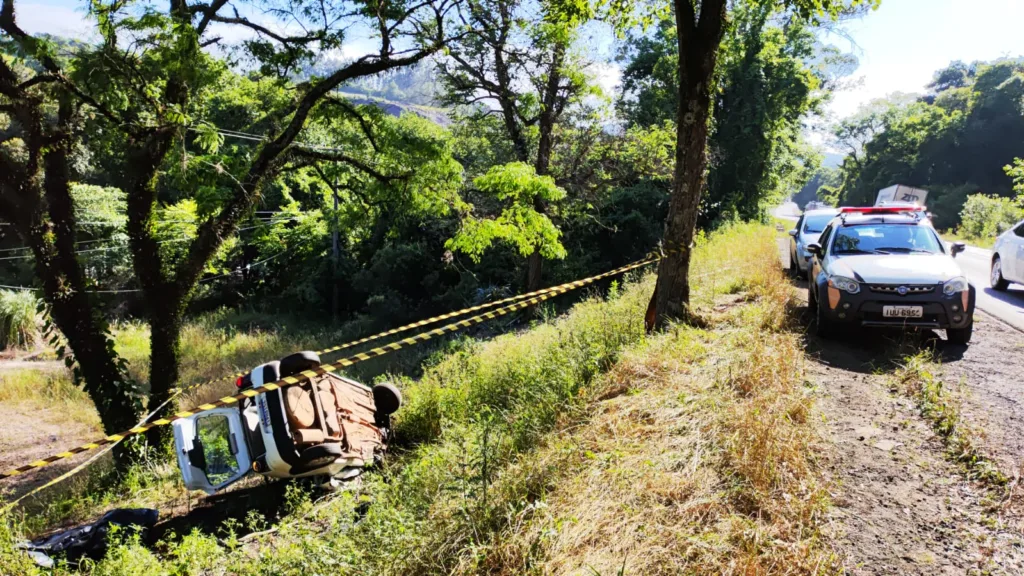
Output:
x=501 y=439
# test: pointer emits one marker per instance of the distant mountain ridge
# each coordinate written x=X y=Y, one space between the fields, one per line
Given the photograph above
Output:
x=436 y=115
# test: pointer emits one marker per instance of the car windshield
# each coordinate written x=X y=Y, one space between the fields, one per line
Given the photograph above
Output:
x=816 y=224
x=885 y=239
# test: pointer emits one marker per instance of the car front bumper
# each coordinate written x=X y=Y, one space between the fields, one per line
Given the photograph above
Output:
x=866 y=308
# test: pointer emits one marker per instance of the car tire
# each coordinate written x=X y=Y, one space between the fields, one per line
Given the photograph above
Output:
x=317 y=456
x=295 y=363
x=794 y=268
x=812 y=302
x=996 y=276
x=960 y=336
x=387 y=398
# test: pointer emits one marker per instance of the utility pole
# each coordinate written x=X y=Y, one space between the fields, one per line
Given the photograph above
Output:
x=334 y=251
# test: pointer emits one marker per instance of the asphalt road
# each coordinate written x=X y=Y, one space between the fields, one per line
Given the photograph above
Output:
x=1007 y=306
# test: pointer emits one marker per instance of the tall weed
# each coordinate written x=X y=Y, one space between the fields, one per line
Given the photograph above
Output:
x=19 y=319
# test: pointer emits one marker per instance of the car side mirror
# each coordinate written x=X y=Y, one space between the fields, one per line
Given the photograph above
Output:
x=793 y=232
x=956 y=248
x=814 y=248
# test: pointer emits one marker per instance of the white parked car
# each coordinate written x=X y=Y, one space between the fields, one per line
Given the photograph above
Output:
x=1008 y=258
x=331 y=427
x=808 y=229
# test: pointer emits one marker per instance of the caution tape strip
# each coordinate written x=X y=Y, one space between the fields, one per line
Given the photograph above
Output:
x=421 y=323
x=307 y=375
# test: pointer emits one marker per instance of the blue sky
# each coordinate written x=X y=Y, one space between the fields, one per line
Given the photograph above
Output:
x=899 y=45
x=902 y=43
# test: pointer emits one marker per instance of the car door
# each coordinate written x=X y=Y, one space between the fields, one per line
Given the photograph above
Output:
x=819 y=263
x=1016 y=272
x=211 y=449
x=794 y=239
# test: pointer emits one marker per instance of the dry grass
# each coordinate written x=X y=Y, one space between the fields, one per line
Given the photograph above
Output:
x=703 y=463
x=582 y=447
x=941 y=406
x=29 y=390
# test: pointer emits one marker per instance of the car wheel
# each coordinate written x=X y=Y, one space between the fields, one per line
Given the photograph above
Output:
x=295 y=363
x=996 y=276
x=794 y=269
x=812 y=302
x=387 y=398
x=822 y=325
x=961 y=336
x=317 y=456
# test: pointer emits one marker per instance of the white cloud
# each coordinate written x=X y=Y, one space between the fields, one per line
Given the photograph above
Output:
x=608 y=75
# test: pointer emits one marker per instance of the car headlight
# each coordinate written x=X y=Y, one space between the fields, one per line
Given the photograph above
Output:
x=844 y=283
x=954 y=285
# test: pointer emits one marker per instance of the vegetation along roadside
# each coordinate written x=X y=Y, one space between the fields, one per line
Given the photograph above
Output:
x=501 y=441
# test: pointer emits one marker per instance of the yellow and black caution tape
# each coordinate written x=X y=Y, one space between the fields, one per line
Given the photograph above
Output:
x=421 y=323
x=306 y=375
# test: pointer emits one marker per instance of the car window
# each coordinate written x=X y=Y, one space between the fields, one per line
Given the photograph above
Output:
x=823 y=240
x=215 y=435
x=1019 y=230
x=816 y=224
x=886 y=239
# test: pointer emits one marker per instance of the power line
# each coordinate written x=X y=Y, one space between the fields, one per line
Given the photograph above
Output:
x=207 y=279
x=107 y=249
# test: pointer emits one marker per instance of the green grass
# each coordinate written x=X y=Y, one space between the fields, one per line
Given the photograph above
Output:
x=455 y=483
x=940 y=405
x=30 y=389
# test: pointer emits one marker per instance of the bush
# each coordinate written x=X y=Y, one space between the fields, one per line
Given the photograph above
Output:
x=19 y=326
x=988 y=216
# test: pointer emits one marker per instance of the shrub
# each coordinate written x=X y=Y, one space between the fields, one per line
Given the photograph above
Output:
x=988 y=216
x=18 y=319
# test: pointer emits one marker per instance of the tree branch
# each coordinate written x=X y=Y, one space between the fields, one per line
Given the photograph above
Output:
x=245 y=22
x=354 y=162
x=364 y=125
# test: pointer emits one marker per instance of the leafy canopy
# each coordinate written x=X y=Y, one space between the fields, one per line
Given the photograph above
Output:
x=519 y=188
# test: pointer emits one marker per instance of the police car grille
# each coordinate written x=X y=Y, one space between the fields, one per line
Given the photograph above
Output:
x=895 y=288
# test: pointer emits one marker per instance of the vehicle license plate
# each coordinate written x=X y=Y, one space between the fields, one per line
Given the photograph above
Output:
x=902 y=311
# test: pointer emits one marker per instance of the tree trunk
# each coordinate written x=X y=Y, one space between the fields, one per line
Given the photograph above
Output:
x=165 y=330
x=546 y=125
x=698 y=53
x=46 y=222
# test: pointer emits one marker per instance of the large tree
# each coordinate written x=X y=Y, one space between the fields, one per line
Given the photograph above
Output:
x=147 y=82
x=517 y=57
x=700 y=26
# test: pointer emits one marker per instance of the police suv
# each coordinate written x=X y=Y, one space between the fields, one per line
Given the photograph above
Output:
x=887 y=267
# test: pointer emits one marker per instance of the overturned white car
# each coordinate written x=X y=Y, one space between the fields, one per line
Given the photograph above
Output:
x=331 y=426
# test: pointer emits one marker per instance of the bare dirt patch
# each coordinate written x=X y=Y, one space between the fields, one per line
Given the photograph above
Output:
x=902 y=506
x=991 y=370
x=28 y=435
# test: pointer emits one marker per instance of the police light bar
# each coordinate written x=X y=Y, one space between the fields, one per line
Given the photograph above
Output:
x=877 y=210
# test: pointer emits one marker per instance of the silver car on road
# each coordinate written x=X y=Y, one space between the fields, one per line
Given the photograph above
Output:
x=1008 y=258
x=808 y=230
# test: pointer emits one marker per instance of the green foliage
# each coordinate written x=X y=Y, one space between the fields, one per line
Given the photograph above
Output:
x=771 y=78
x=953 y=143
x=985 y=217
x=519 y=189
x=1016 y=172
x=829 y=195
x=19 y=319
x=768 y=88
